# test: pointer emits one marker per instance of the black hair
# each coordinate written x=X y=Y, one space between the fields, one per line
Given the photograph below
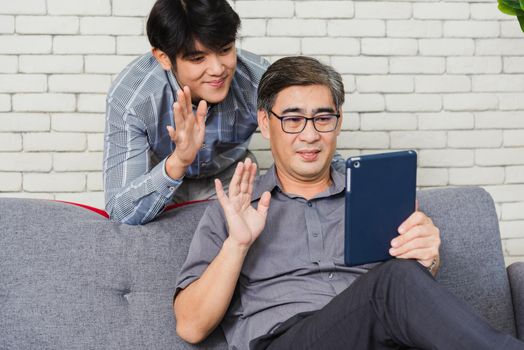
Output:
x=298 y=70
x=174 y=25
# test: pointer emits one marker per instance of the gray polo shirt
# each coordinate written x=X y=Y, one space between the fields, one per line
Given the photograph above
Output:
x=296 y=264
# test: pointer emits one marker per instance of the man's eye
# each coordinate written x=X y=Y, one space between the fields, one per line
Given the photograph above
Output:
x=293 y=119
x=196 y=58
x=226 y=49
x=324 y=118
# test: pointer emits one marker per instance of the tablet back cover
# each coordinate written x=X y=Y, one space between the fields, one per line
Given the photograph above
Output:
x=380 y=195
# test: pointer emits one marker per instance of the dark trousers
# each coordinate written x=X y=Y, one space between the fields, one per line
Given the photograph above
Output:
x=397 y=305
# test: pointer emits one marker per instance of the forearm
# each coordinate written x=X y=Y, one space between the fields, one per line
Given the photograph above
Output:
x=200 y=307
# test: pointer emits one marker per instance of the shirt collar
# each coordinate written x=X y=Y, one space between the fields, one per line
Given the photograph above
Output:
x=269 y=181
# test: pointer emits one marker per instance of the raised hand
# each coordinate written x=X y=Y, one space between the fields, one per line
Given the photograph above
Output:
x=245 y=223
x=189 y=134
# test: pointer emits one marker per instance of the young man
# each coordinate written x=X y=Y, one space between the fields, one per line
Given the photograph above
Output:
x=266 y=260
x=180 y=115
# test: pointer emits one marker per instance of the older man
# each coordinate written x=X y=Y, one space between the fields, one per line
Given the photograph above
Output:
x=267 y=260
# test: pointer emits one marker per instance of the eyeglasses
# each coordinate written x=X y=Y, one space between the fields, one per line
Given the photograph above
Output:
x=295 y=124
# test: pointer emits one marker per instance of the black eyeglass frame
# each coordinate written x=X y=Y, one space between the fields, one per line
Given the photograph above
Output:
x=281 y=118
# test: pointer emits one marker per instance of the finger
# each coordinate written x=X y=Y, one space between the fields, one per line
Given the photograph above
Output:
x=416 y=204
x=419 y=254
x=418 y=243
x=187 y=97
x=234 y=186
x=171 y=132
x=178 y=115
x=244 y=184
x=415 y=232
x=263 y=204
x=201 y=113
x=252 y=176
x=221 y=195
x=417 y=218
x=181 y=99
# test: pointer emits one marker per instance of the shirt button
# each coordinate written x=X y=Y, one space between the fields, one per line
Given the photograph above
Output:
x=171 y=188
x=203 y=164
x=315 y=234
x=331 y=274
x=204 y=145
x=309 y=204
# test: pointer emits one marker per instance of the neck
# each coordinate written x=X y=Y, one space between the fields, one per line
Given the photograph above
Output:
x=306 y=188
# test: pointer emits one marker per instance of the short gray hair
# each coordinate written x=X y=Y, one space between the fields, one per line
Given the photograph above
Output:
x=298 y=70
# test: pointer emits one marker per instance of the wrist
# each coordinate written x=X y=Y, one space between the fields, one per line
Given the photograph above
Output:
x=175 y=167
x=235 y=249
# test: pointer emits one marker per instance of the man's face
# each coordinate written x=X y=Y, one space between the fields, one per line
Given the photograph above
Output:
x=305 y=156
x=207 y=73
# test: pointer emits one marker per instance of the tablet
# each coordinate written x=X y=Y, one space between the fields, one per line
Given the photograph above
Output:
x=380 y=195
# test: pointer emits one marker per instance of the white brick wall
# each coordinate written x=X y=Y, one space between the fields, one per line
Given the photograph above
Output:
x=443 y=77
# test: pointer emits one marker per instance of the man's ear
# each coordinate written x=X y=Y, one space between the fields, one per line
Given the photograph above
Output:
x=263 y=123
x=162 y=58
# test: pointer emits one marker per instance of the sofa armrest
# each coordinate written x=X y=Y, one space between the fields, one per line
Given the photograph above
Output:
x=516 y=281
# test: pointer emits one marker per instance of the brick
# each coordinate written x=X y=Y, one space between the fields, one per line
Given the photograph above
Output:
x=470 y=102
x=25 y=161
x=502 y=156
x=26 y=195
x=324 y=9
x=95 y=182
x=264 y=159
x=499 y=120
x=79 y=83
x=264 y=9
x=93 y=199
x=10 y=142
x=511 y=101
x=394 y=47
x=511 y=229
x=330 y=46
x=514 y=138
x=22 y=83
x=107 y=64
x=296 y=27
x=442 y=83
x=418 y=139
x=252 y=27
x=86 y=44
x=78 y=161
x=51 y=64
x=414 y=29
x=360 y=139
x=7 y=24
x=54 y=182
x=21 y=122
x=5 y=103
x=494 y=83
x=429 y=177
x=515 y=174
x=258 y=142
x=389 y=83
x=356 y=28
x=92 y=103
x=132 y=45
x=364 y=103
x=446 y=121
x=476 y=176
x=513 y=64
x=78 y=7
x=8 y=64
x=441 y=10
x=44 y=102
x=349 y=83
x=113 y=25
x=417 y=65
x=474 y=65
x=95 y=142
x=378 y=9
x=10 y=182
x=510 y=29
x=132 y=7
x=47 y=25
x=446 y=158
x=350 y=121
x=413 y=102
x=485 y=11
x=508 y=260
x=506 y=193
x=475 y=139
x=54 y=142
x=514 y=211
x=505 y=47
x=272 y=46
x=21 y=44
x=471 y=29
x=360 y=65
x=446 y=47
x=388 y=121
x=78 y=122
x=36 y=7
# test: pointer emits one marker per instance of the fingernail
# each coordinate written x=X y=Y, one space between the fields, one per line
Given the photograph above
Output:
x=392 y=251
x=401 y=229
x=394 y=243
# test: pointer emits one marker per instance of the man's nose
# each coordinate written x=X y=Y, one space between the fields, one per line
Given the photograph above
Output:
x=216 y=66
x=309 y=133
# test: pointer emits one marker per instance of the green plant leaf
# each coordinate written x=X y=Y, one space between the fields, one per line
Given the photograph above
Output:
x=515 y=4
x=521 y=22
x=522 y=5
x=507 y=10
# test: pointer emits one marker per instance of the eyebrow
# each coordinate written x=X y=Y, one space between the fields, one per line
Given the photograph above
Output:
x=301 y=110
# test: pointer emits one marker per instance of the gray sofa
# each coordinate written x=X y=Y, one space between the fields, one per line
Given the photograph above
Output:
x=71 y=279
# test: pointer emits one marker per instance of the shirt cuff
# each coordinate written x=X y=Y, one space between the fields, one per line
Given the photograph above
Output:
x=164 y=184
